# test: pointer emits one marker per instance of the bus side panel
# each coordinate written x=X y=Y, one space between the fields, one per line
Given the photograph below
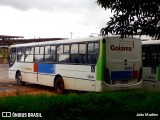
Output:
x=12 y=71
x=29 y=77
x=85 y=85
x=45 y=79
x=85 y=77
x=101 y=63
x=12 y=74
x=68 y=74
x=27 y=72
x=45 y=72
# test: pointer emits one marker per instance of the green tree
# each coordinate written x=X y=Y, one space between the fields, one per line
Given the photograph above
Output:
x=5 y=53
x=131 y=17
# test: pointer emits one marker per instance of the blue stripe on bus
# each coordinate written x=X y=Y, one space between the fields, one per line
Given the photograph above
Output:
x=46 y=68
x=121 y=75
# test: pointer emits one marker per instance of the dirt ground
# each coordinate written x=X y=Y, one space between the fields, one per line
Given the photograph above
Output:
x=9 y=87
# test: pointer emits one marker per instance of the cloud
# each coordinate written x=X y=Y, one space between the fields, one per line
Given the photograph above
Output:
x=49 y=4
x=44 y=17
x=88 y=10
x=18 y=4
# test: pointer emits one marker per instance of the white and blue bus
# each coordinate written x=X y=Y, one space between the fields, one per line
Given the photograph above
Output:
x=86 y=64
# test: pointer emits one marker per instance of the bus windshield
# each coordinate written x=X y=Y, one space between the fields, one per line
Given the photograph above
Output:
x=12 y=56
x=151 y=55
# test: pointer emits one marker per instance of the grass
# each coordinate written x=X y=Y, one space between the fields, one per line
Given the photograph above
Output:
x=86 y=106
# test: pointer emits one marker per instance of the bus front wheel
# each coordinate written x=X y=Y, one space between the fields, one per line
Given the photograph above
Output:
x=19 y=79
x=59 y=85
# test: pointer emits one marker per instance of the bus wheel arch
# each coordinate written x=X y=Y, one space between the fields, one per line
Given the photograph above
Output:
x=59 y=84
x=19 y=78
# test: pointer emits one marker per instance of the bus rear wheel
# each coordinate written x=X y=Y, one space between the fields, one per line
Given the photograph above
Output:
x=19 y=79
x=59 y=85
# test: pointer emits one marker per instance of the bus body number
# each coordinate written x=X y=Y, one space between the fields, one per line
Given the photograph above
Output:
x=127 y=68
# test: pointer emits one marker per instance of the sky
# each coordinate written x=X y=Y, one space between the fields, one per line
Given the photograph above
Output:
x=52 y=18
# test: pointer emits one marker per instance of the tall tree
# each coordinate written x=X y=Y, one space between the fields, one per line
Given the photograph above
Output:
x=132 y=17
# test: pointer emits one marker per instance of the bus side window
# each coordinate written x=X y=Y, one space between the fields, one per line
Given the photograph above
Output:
x=29 y=54
x=50 y=54
x=93 y=50
x=21 y=54
x=66 y=53
x=82 y=53
x=74 y=54
x=53 y=53
x=48 y=57
x=96 y=48
x=63 y=53
x=59 y=52
x=39 y=54
x=36 y=53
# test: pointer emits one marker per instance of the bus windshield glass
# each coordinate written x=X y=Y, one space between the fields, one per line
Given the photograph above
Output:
x=12 y=56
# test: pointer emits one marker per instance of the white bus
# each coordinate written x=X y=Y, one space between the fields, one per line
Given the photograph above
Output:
x=86 y=64
x=151 y=63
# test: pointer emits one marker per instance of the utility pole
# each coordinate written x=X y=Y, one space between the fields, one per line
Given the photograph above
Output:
x=71 y=34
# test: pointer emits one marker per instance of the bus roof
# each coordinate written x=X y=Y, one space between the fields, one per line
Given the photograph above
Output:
x=151 y=42
x=67 y=41
x=58 y=41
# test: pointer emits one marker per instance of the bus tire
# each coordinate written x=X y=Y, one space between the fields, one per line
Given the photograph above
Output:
x=19 y=79
x=59 y=85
